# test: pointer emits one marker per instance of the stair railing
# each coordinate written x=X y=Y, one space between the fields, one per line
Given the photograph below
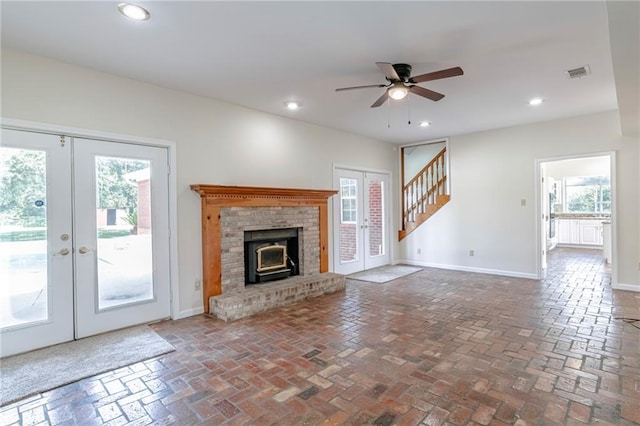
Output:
x=424 y=188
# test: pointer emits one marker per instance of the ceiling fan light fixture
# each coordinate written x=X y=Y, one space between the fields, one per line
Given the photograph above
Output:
x=133 y=11
x=398 y=91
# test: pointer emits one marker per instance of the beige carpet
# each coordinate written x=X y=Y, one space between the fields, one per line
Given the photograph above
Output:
x=44 y=369
x=384 y=274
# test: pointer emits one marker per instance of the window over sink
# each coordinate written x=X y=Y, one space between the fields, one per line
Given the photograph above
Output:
x=587 y=194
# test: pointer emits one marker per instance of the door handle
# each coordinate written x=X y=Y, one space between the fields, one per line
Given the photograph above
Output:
x=62 y=252
x=84 y=250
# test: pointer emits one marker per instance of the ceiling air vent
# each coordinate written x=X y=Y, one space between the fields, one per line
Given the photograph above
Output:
x=579 y=72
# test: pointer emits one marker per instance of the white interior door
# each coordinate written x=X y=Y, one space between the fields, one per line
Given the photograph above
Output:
x=360 y=221
x=36 y=261
x=84 y=238
x=122 y=257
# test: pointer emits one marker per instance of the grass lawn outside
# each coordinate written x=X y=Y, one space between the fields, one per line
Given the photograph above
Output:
x=36 y=234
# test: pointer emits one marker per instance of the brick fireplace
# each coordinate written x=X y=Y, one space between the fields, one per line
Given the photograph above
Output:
x=235 y=221
x=230 y=211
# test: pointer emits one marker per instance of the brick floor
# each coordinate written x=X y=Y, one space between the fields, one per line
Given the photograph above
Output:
x=434 y=348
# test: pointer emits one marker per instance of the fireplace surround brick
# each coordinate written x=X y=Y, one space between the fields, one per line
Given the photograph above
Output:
x=234 y=221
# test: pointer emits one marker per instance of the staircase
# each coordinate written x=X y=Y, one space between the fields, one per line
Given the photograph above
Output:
x=424 y=194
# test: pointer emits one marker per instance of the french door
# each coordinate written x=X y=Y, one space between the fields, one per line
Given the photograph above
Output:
x=360 y=220
x=84 y=241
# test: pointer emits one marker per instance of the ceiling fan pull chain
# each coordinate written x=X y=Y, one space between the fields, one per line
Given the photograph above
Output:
x=409 y=111
x=388 y=114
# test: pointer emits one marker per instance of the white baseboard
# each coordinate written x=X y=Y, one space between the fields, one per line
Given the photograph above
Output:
x=188 y=313
x=469 y=269
x=627 y=287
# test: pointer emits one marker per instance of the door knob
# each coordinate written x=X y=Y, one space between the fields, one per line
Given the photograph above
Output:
x=84 y=250
x=62 y=252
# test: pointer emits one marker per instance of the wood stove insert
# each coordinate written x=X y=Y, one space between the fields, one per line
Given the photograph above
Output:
x=270 y=254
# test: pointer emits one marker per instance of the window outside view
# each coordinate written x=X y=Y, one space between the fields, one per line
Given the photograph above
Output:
x=123 y=216
x=587 y=194
x=348 y=194
x=23 y=236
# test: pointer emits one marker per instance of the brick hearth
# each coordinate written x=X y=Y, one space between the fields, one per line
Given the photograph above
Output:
x=263 y=297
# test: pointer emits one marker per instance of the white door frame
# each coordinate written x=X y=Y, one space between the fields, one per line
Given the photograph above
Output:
x=388 y=212
x=31 y=126
x=614 y=221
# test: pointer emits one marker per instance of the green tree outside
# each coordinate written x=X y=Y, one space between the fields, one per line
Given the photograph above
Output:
x=23 y=187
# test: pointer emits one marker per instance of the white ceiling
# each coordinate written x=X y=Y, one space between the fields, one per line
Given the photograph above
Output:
x=261 y=54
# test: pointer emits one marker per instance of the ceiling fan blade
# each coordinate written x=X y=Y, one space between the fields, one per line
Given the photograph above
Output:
x=388 y=71
x=437 y=75
x=360 y=87
x=382 y=99
x=426 y=93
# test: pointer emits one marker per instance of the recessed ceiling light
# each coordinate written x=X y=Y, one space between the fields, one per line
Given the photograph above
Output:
x=292 y=105
x=425 y=124
x=134 y=11
x=535 y=101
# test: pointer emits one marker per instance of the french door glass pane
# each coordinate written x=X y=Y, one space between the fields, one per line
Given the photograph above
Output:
x=123 y=218
x=23 y=237
x=376 y=218
x=348 y=226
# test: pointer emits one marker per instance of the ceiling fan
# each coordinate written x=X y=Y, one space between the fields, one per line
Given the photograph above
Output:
x=400 y=83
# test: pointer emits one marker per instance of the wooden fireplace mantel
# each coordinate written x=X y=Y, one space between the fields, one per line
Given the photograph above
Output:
x=214 y=197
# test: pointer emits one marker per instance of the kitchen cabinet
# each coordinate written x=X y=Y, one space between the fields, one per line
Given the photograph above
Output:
x=586 y=232
x=590 y=232
x=568 y=231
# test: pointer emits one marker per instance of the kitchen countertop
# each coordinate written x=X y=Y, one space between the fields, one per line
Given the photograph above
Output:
x=597 y=216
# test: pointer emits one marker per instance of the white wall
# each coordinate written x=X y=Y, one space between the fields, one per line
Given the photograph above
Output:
x=492 y=171
x=217 y=143
x=591 y=166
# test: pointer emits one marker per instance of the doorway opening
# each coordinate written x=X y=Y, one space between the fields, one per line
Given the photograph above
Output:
x=576 y=205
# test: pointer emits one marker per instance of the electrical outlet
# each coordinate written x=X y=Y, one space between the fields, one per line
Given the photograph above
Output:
x=419 y=251
x=472 y=252
x=523 y=202
x=198 y=284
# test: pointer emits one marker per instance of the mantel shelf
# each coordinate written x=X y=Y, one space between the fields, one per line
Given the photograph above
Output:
x=257 y=192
